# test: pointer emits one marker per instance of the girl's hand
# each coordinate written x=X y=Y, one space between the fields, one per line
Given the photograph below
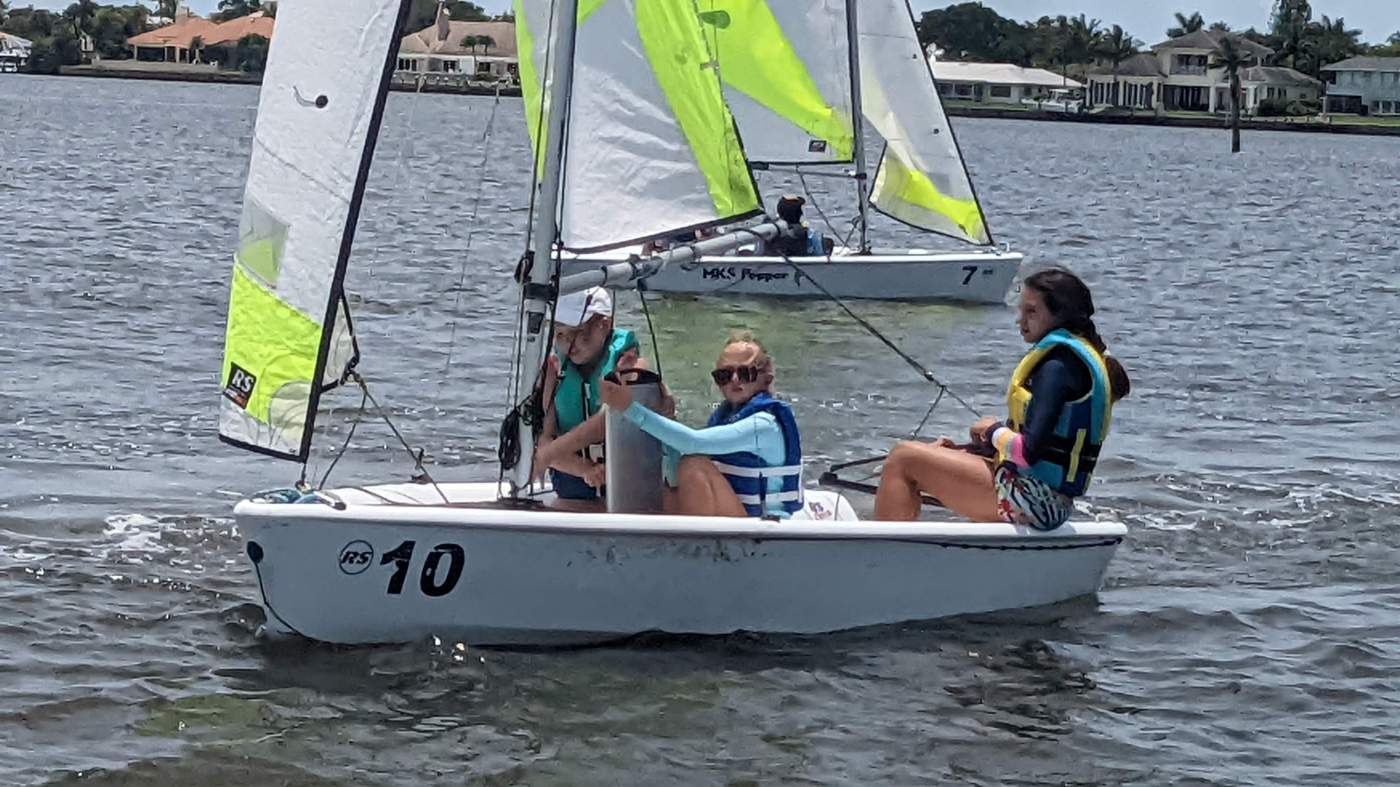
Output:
x=617 y=397
x=597 y=475
x=544 y=457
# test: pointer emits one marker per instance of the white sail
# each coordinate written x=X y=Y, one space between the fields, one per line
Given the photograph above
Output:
x=318 y=114
x=786 y=76
x=651 y=146
x=921 y=179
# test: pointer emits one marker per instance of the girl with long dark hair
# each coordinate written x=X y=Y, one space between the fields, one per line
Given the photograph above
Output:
x=1029 y=468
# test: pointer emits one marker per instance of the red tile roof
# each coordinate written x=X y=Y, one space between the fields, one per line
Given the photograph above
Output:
x=183 y=32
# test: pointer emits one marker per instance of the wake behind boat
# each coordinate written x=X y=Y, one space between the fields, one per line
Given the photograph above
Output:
x=496 y=562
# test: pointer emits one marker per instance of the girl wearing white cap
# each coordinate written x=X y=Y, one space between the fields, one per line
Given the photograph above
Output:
x=587 y=348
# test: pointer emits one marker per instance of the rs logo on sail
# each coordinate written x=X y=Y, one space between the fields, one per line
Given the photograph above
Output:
x=240 y=385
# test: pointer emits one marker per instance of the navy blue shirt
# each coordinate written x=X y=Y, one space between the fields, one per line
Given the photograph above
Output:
x=1060 y=378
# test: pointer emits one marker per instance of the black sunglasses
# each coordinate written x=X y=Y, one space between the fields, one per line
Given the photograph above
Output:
x=746 y=374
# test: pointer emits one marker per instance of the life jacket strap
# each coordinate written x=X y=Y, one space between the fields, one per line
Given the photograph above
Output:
x=778 y=497
x=759 y=472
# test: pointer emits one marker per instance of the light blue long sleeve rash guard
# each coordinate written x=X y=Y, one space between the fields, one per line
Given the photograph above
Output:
x=758 y=434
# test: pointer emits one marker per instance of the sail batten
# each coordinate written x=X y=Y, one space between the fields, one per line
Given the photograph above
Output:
x=288 y=337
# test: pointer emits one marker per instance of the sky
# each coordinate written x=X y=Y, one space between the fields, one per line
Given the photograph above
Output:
x=1146 y=21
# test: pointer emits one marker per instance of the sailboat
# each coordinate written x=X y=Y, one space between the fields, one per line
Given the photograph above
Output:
x=493 y=563
x=798 y=77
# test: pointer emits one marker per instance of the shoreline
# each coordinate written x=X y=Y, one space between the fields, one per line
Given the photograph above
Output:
x=1180 y=121
x=212 y=76
x=952 y=109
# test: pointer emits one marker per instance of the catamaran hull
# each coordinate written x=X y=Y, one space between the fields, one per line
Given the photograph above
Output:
x=380 y=572
x=916 y=275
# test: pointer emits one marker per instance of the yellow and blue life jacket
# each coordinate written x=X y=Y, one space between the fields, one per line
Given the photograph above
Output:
x=578 y=396
x=1067 y=462
x=749 y=474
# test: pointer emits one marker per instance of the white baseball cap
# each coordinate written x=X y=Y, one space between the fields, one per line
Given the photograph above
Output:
x=574 y=309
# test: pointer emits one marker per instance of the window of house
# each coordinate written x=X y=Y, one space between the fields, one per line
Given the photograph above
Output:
x=1001 y=91
x=963 y=90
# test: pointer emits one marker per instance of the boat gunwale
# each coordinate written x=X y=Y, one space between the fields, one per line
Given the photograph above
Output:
x=485 y=516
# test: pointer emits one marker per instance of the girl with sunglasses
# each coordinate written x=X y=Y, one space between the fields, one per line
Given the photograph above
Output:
x=1030 y=468
x=747 y=462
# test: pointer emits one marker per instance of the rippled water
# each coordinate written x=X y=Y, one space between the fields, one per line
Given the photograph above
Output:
x=1249 y=631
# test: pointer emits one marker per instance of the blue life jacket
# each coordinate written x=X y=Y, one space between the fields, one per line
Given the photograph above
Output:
x=748 y=473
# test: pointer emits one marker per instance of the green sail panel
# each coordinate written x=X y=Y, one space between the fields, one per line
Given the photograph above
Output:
x=652 y=147
x=787 y=76
x=287 y=337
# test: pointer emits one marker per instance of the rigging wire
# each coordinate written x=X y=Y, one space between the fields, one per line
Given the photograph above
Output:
x=471 y=235
x=651 y=329
x=922 y=370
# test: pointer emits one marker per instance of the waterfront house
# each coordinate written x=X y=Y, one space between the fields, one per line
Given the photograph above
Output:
x=193 y=39
x=995 y=83
x=1178 y=75
x=477 y=50
x=1364 y=86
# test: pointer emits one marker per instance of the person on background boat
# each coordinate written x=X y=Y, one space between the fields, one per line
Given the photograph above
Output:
x=587 y=348
x=1059 y=404
x=804 y=241
x=748 y=460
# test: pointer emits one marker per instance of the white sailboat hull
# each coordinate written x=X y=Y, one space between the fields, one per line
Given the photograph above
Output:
x=978 y=277
x=390 y=565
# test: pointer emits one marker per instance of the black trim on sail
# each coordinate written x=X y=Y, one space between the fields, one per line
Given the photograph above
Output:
x=347 y=241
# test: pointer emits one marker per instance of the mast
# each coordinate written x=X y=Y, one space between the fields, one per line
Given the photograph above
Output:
x=535 y=289
x=858 y=124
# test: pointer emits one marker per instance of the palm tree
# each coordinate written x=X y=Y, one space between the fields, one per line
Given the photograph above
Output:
x=1334 y=42
x=486 y=42
x=469 y=43
x=1230 y=56
x=1117 y=46
x=1186 y=24
x=167 y=8
x=81 y=15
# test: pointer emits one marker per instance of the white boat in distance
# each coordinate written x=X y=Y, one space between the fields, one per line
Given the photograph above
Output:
x=494 y=563
x=906 y=275
x=798 y=106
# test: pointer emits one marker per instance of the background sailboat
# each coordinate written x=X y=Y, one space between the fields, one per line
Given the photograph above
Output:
x=794 y=74
x=492 y=562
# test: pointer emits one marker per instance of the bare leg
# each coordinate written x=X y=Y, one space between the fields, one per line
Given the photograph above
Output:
x=703 y=491
x=962 y=481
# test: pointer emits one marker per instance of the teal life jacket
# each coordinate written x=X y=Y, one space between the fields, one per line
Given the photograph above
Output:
x=577 y=397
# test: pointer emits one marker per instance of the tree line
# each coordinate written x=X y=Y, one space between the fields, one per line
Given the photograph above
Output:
x=970 y=31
